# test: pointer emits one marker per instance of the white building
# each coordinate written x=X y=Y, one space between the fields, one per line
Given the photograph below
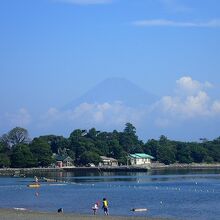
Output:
x=140 y=159
x=108 y=161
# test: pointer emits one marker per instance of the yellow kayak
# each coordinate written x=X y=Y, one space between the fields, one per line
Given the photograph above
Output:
x=33 y=185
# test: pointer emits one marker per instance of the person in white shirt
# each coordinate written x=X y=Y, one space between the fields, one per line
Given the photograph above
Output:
x=95 y=208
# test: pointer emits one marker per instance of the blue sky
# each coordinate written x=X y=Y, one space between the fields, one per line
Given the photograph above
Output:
x=53 y=51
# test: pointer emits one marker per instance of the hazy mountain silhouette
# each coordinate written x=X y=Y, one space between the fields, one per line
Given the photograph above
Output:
x=113 y=90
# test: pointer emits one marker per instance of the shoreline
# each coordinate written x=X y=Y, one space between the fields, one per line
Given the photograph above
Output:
x=13 y=214
x=152 y=167
x=185 y=166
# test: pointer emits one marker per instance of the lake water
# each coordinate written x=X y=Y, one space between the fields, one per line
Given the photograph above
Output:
x=188 y=194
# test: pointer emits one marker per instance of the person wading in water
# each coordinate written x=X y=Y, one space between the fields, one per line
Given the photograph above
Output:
x=105 y=206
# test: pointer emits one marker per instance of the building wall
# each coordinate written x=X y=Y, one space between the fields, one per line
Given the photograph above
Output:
x=108 y=163
x=141 y=161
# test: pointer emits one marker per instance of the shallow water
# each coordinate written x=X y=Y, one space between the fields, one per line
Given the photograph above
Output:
x=175 y=194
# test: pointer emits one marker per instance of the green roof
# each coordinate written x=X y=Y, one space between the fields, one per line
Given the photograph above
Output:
x=141 y=156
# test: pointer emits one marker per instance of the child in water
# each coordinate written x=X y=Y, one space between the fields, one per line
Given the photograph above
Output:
x=95 y=208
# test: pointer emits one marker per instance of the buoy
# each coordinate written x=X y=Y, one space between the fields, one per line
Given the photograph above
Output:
x=139 y=210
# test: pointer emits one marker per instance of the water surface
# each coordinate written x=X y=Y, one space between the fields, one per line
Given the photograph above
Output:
x=188 y=194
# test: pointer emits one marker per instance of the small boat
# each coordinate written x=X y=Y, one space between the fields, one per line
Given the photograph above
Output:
x=20 y=209
x=49 y=180
x=139 y=210
x=33 y=185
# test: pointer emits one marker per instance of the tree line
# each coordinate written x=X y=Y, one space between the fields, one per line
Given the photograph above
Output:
x=18 y=150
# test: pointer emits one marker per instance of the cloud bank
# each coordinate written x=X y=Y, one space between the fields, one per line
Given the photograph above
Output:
x=189 y=103
x=190 y=100
x=94 y=114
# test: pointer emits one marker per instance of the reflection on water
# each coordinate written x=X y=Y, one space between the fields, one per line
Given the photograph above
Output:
x=185 y=194
x=150 y=176
x=184 y=171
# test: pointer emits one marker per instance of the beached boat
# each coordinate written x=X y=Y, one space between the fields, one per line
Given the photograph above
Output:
x=33 y=185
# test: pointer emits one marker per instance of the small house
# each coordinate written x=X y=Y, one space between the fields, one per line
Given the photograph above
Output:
x=108 y=161
x=64 y=161
x=140 y=159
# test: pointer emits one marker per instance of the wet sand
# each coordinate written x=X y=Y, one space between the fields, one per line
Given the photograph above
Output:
x=11 y=214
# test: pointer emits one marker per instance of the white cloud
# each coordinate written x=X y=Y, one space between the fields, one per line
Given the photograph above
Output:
x=94 y=114
x=190 y=106
x=216 y=107
x=85 y=2
x=189 y=86
x=21 y=118
x=215 y=23
x=190 y=101
x=197 y=105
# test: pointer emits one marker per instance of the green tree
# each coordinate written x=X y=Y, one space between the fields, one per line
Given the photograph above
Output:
x=4 y=160
x=198 y=153
x=76 y=134
x=22 y=157
x=74 y=144
x=115 y=150
x=89 y=157
x=16 y=136
x=130 y=129
x=166 y=155
x=183 y=153
x=56 y=142
x=42 y=152
x=129 y=140
x=152 y=148
x=213 y=149
x=102 y=142
x=92 y=134
x=4 y=155
x=166 y=151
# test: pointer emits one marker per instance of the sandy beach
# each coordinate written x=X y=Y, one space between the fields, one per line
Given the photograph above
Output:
x=11 y=214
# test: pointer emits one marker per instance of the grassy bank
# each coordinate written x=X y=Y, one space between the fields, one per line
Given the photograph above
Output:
x=11 y=214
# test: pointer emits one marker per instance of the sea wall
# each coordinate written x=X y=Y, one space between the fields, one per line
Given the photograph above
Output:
x=26 y=171
x=185 y=166
x=154 y=166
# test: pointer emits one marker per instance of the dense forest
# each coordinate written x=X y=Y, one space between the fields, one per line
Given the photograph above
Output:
x=18 y=150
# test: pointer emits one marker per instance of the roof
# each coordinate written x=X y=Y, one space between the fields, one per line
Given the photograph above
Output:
x=63 y=158
x=141 y=156
x=107 y=158
x=68 y=159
